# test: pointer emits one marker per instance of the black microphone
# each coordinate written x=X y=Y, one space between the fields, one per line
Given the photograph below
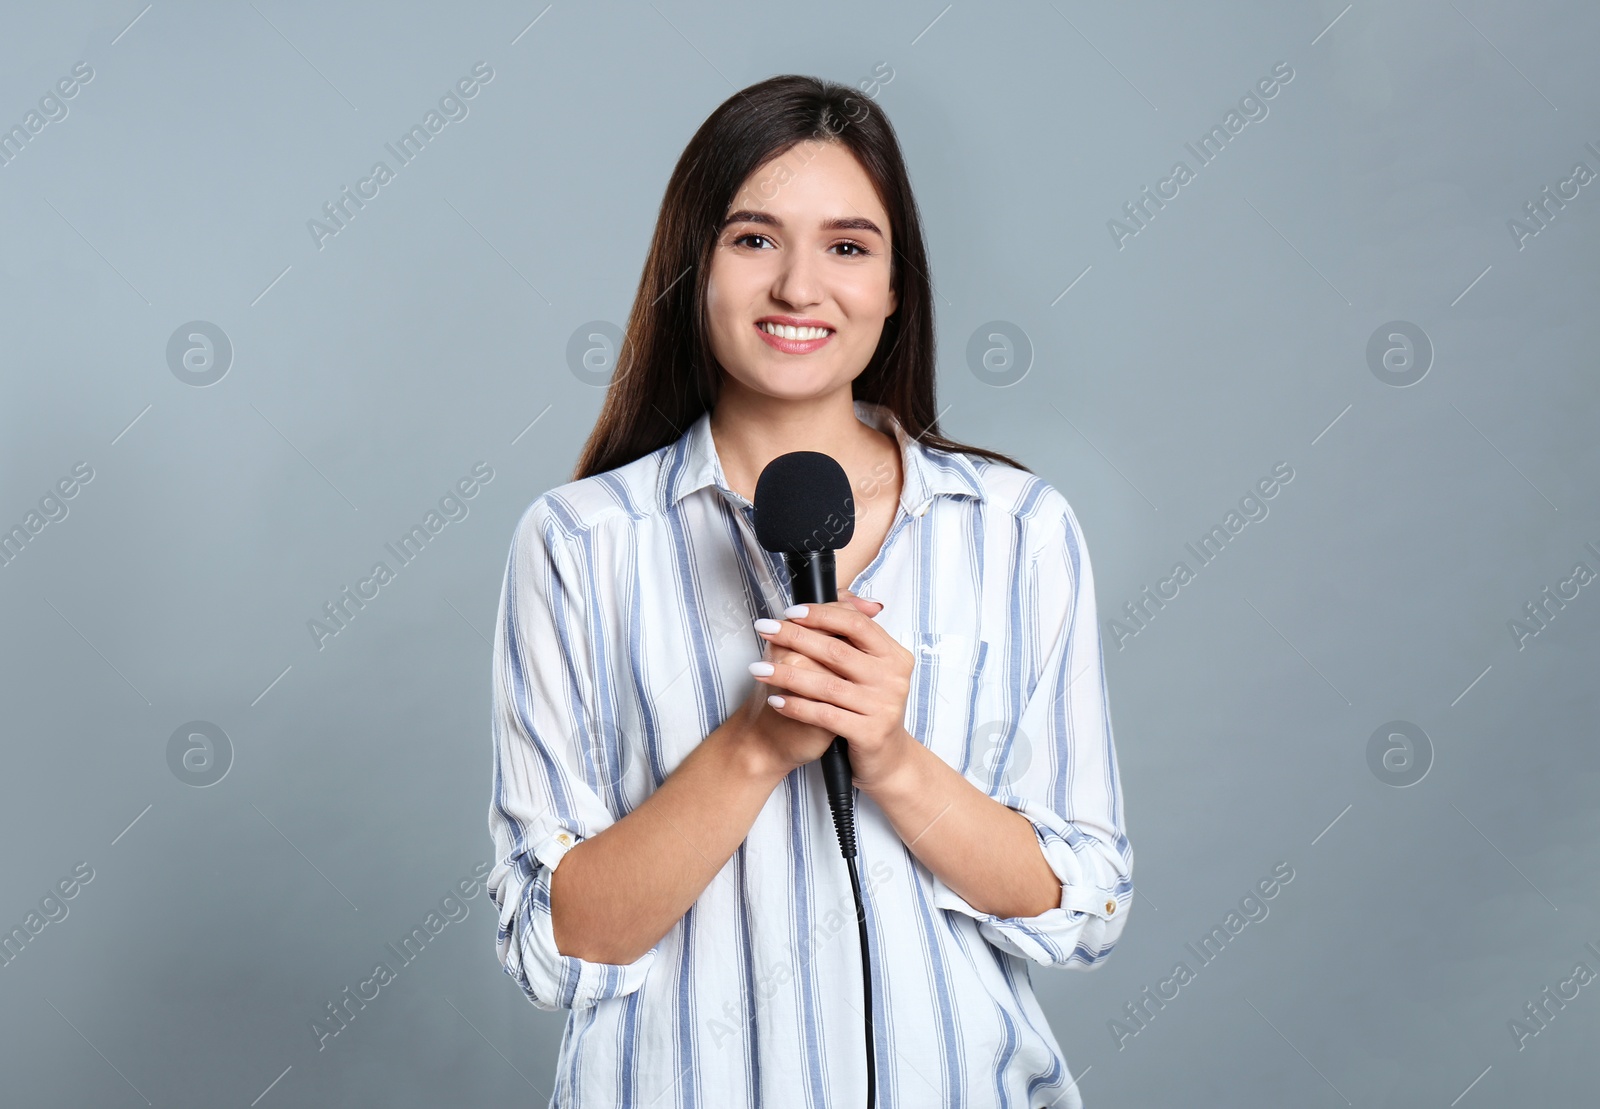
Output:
x=804 y=510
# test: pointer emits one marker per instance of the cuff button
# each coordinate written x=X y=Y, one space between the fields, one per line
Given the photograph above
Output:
x=564 y=838
x=1111 y=907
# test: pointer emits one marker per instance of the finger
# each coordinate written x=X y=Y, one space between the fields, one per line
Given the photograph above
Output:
x=831 y=718
x=870 y=607
x=818 y=685
x=833 y=652
x=845 y=621
x=776 y=652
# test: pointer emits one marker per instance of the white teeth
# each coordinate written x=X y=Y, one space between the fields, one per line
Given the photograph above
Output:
x=784 y=332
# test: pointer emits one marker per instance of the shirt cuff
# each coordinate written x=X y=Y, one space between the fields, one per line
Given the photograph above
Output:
x=1084 y=926
x=552 y=980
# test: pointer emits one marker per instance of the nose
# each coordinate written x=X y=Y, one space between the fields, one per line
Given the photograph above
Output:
x=796 y=283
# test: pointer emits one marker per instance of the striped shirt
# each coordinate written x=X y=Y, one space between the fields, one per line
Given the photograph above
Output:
x=623 y=639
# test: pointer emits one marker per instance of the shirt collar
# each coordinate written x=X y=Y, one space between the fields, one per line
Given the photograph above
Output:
x=692 y=464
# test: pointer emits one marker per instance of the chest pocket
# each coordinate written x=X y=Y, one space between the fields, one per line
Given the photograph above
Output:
x=968 y=724
x=949 y=689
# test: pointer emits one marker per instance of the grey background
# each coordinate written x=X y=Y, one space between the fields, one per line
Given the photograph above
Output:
x=431 y=334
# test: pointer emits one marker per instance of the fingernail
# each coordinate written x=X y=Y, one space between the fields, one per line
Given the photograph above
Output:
x=767 y=626
x=794 y=612
x=775 y=701
x=761 y=669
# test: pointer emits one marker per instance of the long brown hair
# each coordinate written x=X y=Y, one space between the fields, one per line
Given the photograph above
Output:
x=666 y=375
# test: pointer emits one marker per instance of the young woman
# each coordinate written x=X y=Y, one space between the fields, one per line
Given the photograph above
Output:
x=666 y=865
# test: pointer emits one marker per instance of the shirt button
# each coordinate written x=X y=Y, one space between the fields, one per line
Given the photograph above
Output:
x=1111 y=907
x=564 y=838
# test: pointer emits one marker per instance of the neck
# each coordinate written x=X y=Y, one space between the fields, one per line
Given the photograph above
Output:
x=751 y=429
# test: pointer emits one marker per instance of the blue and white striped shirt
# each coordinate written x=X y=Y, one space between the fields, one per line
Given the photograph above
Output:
x=623 y=639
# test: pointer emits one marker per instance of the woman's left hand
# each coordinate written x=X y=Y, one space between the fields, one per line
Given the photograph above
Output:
x=861 y=693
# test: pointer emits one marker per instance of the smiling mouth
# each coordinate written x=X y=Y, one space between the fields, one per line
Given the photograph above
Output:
x=793 y=340
x=800 y=334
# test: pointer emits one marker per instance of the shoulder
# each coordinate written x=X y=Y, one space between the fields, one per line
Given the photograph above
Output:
x=619 y=498
x=1043 y=516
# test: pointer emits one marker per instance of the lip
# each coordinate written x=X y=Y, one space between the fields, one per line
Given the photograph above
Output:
x=792 y=346
x=797 y=321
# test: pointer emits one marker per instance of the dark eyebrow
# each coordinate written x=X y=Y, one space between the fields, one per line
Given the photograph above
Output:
x=838 y=223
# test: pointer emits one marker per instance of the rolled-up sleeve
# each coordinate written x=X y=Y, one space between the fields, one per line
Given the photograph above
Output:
x=552 y=758
x=1061 y=764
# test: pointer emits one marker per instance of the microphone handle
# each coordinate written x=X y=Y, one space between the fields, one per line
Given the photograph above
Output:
x=812 y=581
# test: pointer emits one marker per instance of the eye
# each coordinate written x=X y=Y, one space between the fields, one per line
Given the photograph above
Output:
x=860 y=251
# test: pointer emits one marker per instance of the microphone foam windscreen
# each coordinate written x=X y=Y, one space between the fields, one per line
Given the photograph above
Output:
x=803 y=503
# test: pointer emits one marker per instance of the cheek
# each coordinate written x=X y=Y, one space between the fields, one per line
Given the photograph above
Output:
x=721 y=316
x=868 y=299
x=729 y=296
x=865 y=329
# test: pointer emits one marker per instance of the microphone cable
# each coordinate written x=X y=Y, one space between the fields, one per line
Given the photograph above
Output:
x=836 y=774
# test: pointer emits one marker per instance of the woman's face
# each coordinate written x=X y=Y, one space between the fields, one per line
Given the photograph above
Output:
x=807 y=241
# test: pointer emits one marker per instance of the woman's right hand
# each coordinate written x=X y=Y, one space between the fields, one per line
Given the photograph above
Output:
x=787 y=742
